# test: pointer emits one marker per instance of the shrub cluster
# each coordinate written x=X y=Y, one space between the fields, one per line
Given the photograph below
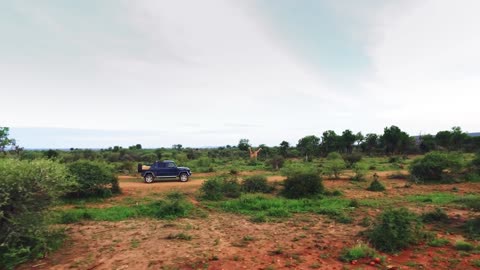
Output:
x=27 y=189
x=396 y=229
x=333 y=165
x=376 y=185
x=94 y=179
x=352 y=159
x=437 y=215
x=256 y=184
x=304 y=184
x=219 y=187
x=436 y=166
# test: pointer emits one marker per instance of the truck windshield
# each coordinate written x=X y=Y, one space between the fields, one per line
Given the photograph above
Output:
x=171 y=165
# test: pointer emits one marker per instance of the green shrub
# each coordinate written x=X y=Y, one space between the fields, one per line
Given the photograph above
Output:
x=464 y=246
x=476 y=163
x=276 y=162
x=396 y=229
x=359 y=251
x=352 y=159
x=256 y=184
x=472 y=228
x=27 y=190
x=302 y=185
x=437 y=215
x=470 y=203
x=394 y=159
x=259 y=218
x=436 y=166
x=333 y=165
x=94 y=179
x=219 y=187
x=359 y=173
x=438 y=242
x=376 y=186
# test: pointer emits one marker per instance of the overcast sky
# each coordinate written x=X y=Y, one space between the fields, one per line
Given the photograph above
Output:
x=97 y=73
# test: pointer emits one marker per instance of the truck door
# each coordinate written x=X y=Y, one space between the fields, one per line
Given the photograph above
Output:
x=161 y=170
x=171 y=169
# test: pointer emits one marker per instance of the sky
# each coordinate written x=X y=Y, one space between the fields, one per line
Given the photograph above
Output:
x=98 y=73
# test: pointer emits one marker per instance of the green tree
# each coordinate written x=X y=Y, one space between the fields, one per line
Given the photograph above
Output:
x=177 y=147
x=244 y=144
x=51 y=154
x=266 y=151
x=370 y=143
x=308 y=146
x=347 y=140
x=359 y=138
x=284 y=145
x=333 y=165
x=330 y=142
x=458 y=138
x=5 y=141
x=427 y=143
x=443 y=138
x=395 y=140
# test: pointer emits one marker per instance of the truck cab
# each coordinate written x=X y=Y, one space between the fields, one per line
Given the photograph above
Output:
x=163 y=170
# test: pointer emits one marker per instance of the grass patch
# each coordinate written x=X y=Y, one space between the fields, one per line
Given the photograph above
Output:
x=358 y=251
x=440 y=198
x=174 y=206
x=464 y=246
x=262 y=208
x=438 y=242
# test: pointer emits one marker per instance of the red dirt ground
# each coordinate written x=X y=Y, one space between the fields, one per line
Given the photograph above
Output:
x=228 y=241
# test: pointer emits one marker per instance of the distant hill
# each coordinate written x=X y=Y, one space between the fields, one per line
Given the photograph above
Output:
x=474 y=134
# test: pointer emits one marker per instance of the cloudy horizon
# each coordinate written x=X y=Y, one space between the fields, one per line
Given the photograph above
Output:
x=207 y=73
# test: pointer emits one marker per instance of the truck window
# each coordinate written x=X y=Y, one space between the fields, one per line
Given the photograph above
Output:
x=171 y=165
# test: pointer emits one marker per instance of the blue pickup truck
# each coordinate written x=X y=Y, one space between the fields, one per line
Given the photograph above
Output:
x=163 y=170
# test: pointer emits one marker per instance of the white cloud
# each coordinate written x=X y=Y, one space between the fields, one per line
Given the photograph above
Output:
x=213 y=63
x=425 y=66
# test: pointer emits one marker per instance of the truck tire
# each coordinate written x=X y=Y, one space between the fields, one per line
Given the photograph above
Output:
x=149 y=178
x=183 y=177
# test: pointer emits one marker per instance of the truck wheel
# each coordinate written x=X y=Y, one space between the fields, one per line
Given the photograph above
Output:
x=149 y=178
x=183 y=177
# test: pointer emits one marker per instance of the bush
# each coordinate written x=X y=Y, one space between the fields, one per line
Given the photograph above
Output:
x=396 y=229
x=376 y=185
x=27 y=190
x=438 y=242
x=256 y=183
x=94 y=179
x=359 y=173
x=359 y=251
x=302 y=185
x=476 y=163
x=333 y=165
x=436 y=166
x=352 y=159
x=464 y=246
x=218 y=187
x=276 y=162
x=472 y=228
x=437 y=215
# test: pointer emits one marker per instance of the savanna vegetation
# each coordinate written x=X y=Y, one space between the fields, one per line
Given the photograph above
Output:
x=42 y=191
